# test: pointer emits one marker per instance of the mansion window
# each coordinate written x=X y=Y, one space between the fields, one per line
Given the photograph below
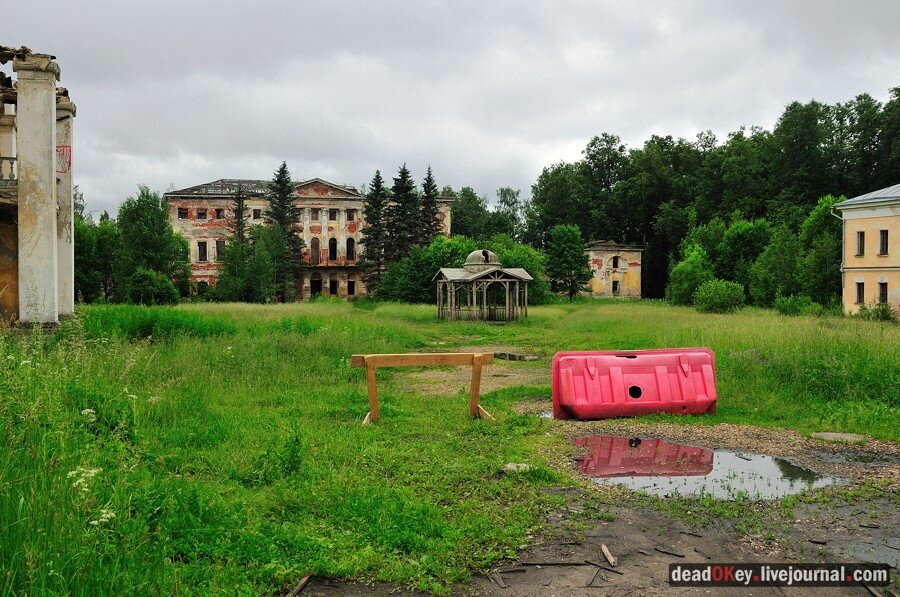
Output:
x=351 y=249
x=882 y=292
x=860 y=243
x=315 y=214
x=257 y=214
x=860 y=293
x=332 y=249
x=351 y=215
x=201 y=251
x=220 y=214
x=882 y=242
x=351 y=287
x=201 y=214
x=220 y=249
x=332 y=215
x=332 y=287
x=615 y=262
x=182 y=213
x=314 y=251
x=615 y=287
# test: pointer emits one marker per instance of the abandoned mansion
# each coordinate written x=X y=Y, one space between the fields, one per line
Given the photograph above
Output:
x=332 y=227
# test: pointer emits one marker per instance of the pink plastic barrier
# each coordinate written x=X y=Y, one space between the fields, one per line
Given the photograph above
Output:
x=604 y=384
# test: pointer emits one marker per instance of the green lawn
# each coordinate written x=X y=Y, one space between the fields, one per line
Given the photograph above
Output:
x=226 y=454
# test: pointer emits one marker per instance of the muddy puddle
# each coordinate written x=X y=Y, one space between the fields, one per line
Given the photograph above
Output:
x=665 y=469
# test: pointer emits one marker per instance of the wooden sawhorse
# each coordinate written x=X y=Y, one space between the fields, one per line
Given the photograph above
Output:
x=423 y=359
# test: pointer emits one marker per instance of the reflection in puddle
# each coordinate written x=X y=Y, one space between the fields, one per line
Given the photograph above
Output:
x=664 y=468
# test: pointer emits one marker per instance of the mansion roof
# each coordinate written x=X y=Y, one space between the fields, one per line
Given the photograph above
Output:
x=227 y=187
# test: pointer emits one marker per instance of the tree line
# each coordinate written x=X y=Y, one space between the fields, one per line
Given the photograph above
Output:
x=755 y=194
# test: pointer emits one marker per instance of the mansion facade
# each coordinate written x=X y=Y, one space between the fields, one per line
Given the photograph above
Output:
x=332 y=227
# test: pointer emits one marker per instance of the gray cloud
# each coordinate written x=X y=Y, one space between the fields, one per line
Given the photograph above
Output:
x=178 y=93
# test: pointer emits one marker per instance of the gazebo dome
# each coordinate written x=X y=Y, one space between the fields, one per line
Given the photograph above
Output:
x=480 y=260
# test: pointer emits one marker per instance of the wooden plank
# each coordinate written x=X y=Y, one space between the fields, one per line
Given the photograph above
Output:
x=373 y=392
x=476 y=385
x=613 y=561
x=419 y=359
x=483 y=414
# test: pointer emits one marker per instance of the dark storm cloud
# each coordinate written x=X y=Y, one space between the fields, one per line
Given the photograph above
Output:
x=178 y=93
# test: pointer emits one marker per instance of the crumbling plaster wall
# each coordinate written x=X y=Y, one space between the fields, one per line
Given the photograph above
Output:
x=628 y=274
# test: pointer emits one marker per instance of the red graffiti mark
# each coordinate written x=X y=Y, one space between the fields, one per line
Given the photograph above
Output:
x=63 y=159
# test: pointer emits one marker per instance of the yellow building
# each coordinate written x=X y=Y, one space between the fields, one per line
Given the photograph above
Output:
x=871 y=257
x=616 y=269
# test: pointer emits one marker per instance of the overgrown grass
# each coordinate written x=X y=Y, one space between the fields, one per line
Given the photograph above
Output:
x=217 y=448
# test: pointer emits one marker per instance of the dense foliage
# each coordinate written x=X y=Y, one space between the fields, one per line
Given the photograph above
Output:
x=568 y=265
x=751 y=184
x=719 y=296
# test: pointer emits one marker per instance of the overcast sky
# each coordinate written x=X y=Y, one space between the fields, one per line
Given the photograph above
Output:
x=173 y=94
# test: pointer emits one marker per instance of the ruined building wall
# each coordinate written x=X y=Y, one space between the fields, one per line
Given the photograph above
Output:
x=9 y=262
x=611 y=279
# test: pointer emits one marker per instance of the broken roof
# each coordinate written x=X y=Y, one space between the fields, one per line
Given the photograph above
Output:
x=609 y=245
x=460 y=274
x=227 y=187
x=885 y=195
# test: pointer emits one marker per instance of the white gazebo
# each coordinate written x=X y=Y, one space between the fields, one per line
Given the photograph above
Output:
x=482 y=289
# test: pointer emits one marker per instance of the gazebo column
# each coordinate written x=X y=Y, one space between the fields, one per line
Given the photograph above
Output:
x=36 y=147
x=65 y=243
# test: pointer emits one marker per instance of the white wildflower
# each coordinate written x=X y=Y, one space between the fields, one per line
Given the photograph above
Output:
x=89 y=414
x=82 y=477
x=105 y=516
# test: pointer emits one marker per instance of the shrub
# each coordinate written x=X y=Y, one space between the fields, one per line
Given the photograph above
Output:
x=798 y=304
x=688 y=275
x=877 y=312
x=147 y=287
x=719 y=296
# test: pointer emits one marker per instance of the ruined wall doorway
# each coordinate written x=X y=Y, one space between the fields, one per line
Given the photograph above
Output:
x=315 y=283
x=314 y=256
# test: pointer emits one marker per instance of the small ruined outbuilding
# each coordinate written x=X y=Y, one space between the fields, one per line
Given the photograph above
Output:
x=615 y=269
x=482 y=289
x=37 y=254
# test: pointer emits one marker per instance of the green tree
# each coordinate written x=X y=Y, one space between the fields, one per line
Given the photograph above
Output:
x=109 y=239
x=514 y=254
x=283 y=217
x=410 y=279
x=376 y=239
x=430 y=225
x=774 y=273
x=568 y=265
x=511 y=210
x=819 y=266
x=688 y=275
x=741 y=246
x=468 y=214
x=233 y=281
x=87 y=269
x=148 y=241
x=403 y=216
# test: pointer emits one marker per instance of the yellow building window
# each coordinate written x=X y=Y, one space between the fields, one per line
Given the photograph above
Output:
x=860 y=243
x=883 y=242
x=860 y=293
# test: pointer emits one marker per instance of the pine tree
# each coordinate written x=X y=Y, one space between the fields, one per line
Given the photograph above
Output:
x=430 y=225
x=283 y=217
x=238 y=222
x=376 y=234
x=403 y=216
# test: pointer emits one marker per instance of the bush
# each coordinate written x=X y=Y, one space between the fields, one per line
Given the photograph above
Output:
x=688 y=275
x=877 y=312
x=719 y=296
x=147 y=287
x=798 y=304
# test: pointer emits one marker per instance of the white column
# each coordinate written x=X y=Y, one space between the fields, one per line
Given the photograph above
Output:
x=342 y=233
x=306 y=222
x=65 y=232
x=36 y=145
